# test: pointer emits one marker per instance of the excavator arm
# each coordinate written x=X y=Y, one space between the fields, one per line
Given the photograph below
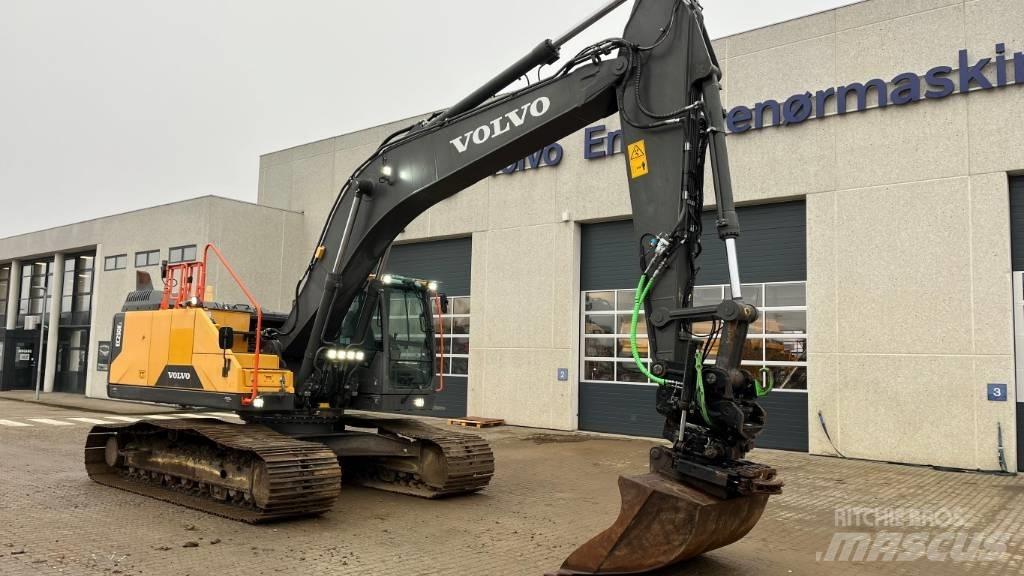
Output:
x=662 y=78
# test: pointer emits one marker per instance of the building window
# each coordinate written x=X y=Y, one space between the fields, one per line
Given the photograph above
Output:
x=455 y=358
x=149 y=258
x=76 y=297
x=5 y=285
x=777 y=341
x=181 y=254
x=119 y=262
x=606 y=351
x=35 y=294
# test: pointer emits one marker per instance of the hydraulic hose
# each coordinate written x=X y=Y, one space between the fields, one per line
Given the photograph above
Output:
x=639 y=298
x=698 y=367
x=643 y=288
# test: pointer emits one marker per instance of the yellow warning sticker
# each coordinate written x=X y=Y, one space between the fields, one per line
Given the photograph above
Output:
x=637 y=159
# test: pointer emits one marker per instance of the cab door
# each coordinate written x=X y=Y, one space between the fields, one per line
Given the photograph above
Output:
x=408 y=339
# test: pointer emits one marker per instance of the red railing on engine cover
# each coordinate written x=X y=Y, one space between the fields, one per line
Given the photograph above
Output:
x=190 y=279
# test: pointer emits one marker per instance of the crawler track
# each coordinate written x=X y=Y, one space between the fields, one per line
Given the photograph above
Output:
x=451 y=462
x=273 y=476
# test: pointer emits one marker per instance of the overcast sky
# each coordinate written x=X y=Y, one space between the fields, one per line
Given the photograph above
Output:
x=113 y=105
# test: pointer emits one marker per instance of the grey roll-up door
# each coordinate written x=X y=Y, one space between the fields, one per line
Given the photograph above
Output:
x=772 y=248
x=1017 y=223
x=449 y=263
x=446 y=261
x=1017 y=265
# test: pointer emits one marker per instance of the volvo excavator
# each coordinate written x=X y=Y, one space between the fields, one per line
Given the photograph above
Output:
x=357 y=338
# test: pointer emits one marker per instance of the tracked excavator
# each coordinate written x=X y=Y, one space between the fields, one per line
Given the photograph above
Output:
x=359 y=339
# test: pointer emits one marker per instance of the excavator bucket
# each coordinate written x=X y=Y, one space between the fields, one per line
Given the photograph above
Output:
x=663 y=522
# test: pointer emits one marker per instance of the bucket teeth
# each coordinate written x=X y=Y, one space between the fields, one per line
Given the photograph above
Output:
x=663 y=522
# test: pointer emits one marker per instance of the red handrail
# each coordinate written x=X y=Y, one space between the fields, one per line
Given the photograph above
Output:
x=201 y=289
x=192 y=281
x=183 y=277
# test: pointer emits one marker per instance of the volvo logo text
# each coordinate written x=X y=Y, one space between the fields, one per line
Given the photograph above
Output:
x=179 y=375
x=117 y=335
x=503 y=124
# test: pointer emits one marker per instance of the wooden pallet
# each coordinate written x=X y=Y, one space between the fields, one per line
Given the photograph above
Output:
x=476 y=422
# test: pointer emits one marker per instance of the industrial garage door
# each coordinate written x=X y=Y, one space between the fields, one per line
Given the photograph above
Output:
x=447 y=262
x=614 y=397
x=1017 y=265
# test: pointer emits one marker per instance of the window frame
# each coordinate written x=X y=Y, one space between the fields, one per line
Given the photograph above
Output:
x=614 y=337
x=183 y=248
x=450 y=337
x=25 y=297
x=108 y=259
x=5 y=285
x=73 y=292
x=147 y=254
x=763 y=336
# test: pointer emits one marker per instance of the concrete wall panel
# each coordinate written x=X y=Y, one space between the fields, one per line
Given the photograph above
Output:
x=993 y=21
x=907 y=408
x=780 y=72
x=796 y=30
x=462 y=214
x=904 y=269
x=764 y=162
x=873 y=11
x=914 y=43
x=996 y=126
x=520 y=385
x=594 y=189
x=822 y=277
x=522 y=199
x=823 y=396
x=910 y=143
x=991 y=280
x=313 y=192
x=993 y=417
x=519 y=287
x=276 y=185
x=260 y=245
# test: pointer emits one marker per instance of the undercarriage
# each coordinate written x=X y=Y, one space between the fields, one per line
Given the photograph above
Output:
x=253 y=473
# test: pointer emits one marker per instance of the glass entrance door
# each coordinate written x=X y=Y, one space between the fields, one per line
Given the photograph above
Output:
x=72 y=360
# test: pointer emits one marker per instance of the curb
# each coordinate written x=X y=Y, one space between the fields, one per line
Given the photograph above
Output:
x=157 y=408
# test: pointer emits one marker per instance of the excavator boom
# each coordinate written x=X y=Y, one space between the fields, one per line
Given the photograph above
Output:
x=662 y=78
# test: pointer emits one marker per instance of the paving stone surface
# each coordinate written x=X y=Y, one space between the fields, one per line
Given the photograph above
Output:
x=552 y=491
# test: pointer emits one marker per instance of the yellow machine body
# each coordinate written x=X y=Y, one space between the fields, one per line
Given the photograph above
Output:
x=174 y=356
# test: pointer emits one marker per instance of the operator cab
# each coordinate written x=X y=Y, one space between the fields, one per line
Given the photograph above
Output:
x=390 y=327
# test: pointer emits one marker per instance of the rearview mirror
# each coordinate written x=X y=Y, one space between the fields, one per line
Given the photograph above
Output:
x=443 y=299
x=226 y=337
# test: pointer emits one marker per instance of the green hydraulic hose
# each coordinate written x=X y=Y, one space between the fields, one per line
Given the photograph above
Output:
x=638 y=299
x=642 y=290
